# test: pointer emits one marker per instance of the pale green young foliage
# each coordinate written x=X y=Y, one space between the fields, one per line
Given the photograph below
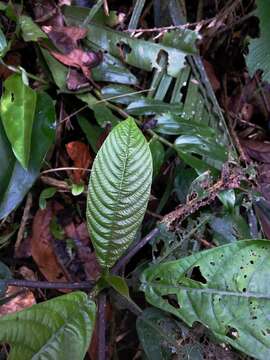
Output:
x=231 y=295
x=119 y=190
x=56 y=329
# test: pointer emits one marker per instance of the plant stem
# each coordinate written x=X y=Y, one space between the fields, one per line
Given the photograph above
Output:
x=87 y=285
x=102 y=326
x=138 y=246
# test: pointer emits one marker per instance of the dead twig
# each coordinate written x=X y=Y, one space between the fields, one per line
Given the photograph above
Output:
x=24 y=220
x=87 y=285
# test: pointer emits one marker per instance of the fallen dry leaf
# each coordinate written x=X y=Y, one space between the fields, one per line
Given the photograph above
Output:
x=42 y=245
x=23 y=300
x=65 y=38
x=257 y=150
x=79 y=153
x=76 y=80
x=80 y=59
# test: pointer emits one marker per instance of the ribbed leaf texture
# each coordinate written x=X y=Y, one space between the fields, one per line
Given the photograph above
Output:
x=58 y=329
x=119 y=190
x=226 y=289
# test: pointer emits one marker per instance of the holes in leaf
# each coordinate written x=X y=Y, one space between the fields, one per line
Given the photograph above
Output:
x=254 y=318
x=244 y=289
x=12 y=97
x=172 y=300
x=251 y=262
x=268 y=331
x=197 y=275
x=212 y=263
x=245 y=276
x=124 y=49
x=232 y=333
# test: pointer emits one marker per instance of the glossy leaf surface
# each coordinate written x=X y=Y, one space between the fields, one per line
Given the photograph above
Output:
x=15 y=181
x=56 y=329
x=225 y=288
x=119 y=189
x=17 y=112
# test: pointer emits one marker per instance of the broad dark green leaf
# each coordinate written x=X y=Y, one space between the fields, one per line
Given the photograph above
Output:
x=30 y=30
x=149 y=106
x=118 y=193
x=158 y=155
x=60 y=329
x=225 y=288
x=103 y=114
x=15 y=180
x=213 y=153
x=58 y=71
x=92 y=132
x=158 y=335
x=120 y=94
x=133 y=49
x=259 y=54
x=17 y=112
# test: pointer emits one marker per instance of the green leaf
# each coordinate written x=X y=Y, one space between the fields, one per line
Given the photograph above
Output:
x=119 y=190
x=17 y=112
x=60 y=329
x=45 y=194
x=4 y=275
x=3 y=43
x=92 y=132
x=120 y=94
x=103 y=114
x=149 y=106
x=15 y=181
x=118 y=283
x=59 y=71
x=30 y=30
x=259 y=53
x=132 y=50
x=158 y=155
x=158 y=334
x=77 y=189
x=225 y=288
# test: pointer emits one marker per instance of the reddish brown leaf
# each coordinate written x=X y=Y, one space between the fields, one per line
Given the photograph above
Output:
x=76 y=80
x=212 y=75
x=42 y=245
x=79 y=153
x=257 y=150
x=65 y=38
x=84 y=60
x=23 y=300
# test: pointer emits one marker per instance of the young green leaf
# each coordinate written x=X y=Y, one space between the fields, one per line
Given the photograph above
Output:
x=118 y=193
x=226 y=289
x=15 y=181
x=56 y=329
x=17 y=112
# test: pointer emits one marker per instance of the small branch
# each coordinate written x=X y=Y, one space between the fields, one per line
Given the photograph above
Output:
x=102 y=326
x=86 y=285
x=133 y=251
x=24 y=220
x=64 y=169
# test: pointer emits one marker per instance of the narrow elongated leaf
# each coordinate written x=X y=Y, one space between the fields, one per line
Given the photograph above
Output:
x=17 y=112
x=119 y=189
x=226 y=289
x=56 y=329
x=15 y=181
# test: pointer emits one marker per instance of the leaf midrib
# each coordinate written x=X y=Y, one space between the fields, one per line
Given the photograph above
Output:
x=118 y=197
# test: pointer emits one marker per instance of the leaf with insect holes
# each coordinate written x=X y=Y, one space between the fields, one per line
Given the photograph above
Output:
x=119 y=190
x=60 y=329
x=225 y=288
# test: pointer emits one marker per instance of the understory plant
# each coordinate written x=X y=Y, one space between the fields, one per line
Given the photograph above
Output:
x=231 y=295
